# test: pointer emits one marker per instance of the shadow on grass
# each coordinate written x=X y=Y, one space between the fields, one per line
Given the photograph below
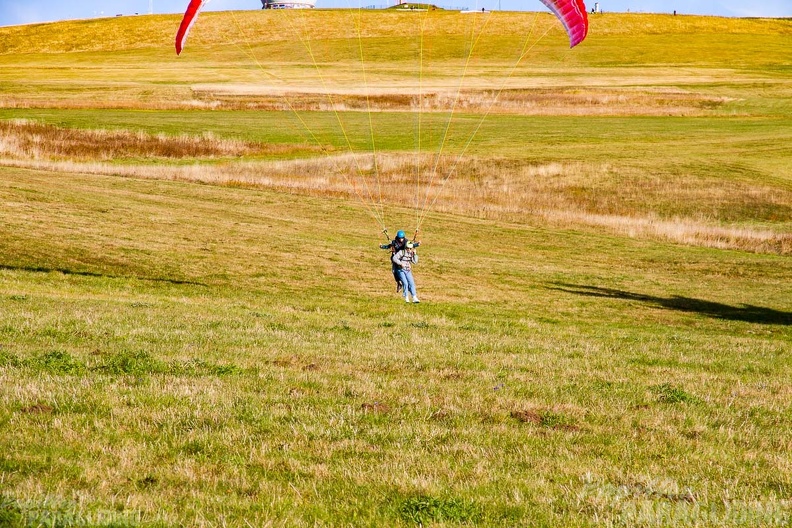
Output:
x=746 y=312
x=66 y=271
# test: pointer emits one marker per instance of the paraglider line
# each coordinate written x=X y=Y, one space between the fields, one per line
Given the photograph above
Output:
x=327 y=154
x=307 y=44
x=422 y=21
x=370 y=120
x=453 y=109
x=524 y=53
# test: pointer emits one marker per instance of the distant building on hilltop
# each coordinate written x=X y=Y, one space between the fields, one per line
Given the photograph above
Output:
x=287 y=4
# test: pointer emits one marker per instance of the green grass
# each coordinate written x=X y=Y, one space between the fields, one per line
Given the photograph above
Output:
x=183 y=354
x=248 y=350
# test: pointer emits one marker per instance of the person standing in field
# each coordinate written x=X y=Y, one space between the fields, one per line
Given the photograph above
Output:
x=396 y=245
x=403 y=260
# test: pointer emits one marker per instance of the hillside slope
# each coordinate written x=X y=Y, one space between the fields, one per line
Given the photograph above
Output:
x=198 y=328
x=245 y=27
x=177 y=354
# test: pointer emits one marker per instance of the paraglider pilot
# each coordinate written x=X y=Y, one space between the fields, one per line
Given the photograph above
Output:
x=396 y=245
x=403 y=260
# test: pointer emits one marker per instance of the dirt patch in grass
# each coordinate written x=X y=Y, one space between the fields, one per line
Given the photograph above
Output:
x=39 y=408
x=376 y=407
x=527 y=416
x=440 y=415
x=545 y=418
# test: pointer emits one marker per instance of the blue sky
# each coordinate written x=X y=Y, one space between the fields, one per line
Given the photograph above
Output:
x=29 y=11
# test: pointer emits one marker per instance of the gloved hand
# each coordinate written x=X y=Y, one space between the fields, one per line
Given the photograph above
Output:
x=384 y=246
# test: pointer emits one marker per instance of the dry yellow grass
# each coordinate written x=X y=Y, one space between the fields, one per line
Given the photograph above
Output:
x=530 y=92
x=81 y=64
x=259 y=61
x=514 y=101
x=505 y=191
x=25 y=139
x=216 y=28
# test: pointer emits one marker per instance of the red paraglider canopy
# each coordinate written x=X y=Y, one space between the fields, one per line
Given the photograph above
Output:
x=571 y=13
x=187 y=22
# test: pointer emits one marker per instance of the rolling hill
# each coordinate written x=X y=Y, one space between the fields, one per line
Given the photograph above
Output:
x=197 y=327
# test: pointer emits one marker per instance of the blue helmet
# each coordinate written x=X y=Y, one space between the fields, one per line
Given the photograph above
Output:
x=400 y=234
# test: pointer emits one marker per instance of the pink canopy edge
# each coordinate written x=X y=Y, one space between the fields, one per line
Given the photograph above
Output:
x=187 y=23
x=572 y=14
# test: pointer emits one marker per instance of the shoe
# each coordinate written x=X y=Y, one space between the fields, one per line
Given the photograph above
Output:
x=415 y=299
x=406 y=298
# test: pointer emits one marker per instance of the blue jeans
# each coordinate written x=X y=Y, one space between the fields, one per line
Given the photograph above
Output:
x=406 y=278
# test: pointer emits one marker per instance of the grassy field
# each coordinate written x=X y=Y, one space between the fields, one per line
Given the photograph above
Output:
x=197 y=327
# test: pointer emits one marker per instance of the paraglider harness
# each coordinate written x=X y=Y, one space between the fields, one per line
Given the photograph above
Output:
x=395 y=246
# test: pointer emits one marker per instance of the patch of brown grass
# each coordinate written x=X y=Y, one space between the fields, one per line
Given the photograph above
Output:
x=39 y=408
x=562 y=194
x=23 y=139
x=680 y=230
x=538 y=101
x=684 y=209
x=375 y=407
x=526 y=101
